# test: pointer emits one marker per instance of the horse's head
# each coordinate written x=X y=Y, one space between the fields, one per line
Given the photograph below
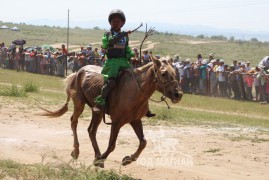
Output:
x=166 y=82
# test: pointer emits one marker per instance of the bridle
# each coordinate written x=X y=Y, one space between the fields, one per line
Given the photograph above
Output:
x=163 y=85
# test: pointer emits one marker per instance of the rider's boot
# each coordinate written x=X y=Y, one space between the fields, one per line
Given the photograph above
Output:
x=101 y=99
x=150 y=114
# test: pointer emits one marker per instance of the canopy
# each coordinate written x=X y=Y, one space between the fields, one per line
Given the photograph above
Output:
x=14 y=29
x=4 y=27
x=46 y=46
x=19 y=42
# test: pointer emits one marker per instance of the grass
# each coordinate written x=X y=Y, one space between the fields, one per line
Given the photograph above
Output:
x=201 y=110
x=192 y=110
x=12 y=170
x=213 y=150
x=245 y=138
x=169 y=43
x=13 y=91
x=31 y=87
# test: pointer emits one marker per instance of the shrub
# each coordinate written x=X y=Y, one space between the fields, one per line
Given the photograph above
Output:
x=31 y=87
x=13 y=91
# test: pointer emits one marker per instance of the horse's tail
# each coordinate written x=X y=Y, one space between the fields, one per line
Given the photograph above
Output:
x=69 y=81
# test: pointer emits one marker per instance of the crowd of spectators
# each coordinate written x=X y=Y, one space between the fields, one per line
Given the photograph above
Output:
x=46 y=61
x=211 y=76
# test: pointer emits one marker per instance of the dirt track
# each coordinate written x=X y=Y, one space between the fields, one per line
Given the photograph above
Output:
x=171 y=152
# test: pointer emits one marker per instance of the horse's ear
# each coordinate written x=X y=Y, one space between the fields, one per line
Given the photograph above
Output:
x=157 y=64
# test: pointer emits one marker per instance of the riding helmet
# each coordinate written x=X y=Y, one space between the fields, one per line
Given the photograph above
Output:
x=117 y=12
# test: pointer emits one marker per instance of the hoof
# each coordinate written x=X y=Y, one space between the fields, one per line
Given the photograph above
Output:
x=74 y=154
x=99 y=162
x=126 y=160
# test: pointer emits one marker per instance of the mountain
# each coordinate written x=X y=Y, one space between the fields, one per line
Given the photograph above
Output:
x=192 y=30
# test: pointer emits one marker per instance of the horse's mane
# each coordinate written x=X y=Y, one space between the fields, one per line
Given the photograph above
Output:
x=143 y=69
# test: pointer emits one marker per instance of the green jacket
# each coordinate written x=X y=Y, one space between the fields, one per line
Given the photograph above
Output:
x=107 y=38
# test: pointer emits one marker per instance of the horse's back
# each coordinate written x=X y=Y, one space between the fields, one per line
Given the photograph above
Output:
x=89 y=82
x=91 y=69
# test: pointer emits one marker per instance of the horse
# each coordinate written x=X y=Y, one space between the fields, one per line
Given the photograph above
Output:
x=127 y=102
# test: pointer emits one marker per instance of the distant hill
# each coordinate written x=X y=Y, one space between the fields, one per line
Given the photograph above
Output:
x=161 y=27
x=165 y=43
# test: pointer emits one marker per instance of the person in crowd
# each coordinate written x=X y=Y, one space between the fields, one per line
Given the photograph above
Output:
x=177 y=58
x=221 y=79
x=247 y=68
x=136 y=59
x=228 y=90
x=102 y=55
x=203 y=77
x=83 y=50
x=199 y=58
x=20 y=59
x=186 y=81
x=235 y=65
x=264 y=63
x=89 y=55
x=4 y=55
x=211 y=57
x=212 y=79
x=239 y=77
x=81 y=60
x=146 y=57
x=96 y=57
x=196 y=75
x=62 y=60
x=234 y=83
x=256 y=82
x=48 y=63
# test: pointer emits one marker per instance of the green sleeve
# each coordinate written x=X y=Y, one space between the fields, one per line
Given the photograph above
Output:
x=105 y=41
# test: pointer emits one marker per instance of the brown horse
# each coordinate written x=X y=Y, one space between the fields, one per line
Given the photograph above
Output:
x=127 y=102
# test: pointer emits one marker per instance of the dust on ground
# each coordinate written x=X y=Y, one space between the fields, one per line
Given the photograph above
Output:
x=172 y=152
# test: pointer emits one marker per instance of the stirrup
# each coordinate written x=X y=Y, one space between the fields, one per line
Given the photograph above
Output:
x=149 y=114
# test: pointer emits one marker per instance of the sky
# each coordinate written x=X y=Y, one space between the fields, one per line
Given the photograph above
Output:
x=250 y=15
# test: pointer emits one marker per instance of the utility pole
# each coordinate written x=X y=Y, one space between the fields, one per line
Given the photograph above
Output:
x=67 y=43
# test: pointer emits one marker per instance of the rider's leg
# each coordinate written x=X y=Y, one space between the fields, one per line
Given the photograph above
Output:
x=106 y=89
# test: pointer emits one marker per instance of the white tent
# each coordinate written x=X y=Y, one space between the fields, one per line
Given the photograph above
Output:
x=4 y=27
x=14 y=29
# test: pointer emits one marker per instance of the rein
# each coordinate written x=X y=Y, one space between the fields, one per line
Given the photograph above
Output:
x=156 y=78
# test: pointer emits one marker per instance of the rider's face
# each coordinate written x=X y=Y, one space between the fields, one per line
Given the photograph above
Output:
x=116 y=23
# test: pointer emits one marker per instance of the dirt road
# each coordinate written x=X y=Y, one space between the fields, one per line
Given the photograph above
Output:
x=171 y=152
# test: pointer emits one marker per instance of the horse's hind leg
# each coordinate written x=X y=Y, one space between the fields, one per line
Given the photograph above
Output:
x=92 y=129
x=78 y=109
x=138 y=128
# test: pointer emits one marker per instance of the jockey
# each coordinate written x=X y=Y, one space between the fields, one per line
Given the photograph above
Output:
x=118 y=54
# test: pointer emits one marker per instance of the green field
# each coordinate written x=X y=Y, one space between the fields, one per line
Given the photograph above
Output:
x=192 y=110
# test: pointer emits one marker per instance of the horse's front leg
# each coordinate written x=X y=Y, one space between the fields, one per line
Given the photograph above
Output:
x=78 y=109
x=138 y=128
x=115 y=128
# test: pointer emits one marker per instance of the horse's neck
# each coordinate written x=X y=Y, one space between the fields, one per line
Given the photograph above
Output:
x=145 y=80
